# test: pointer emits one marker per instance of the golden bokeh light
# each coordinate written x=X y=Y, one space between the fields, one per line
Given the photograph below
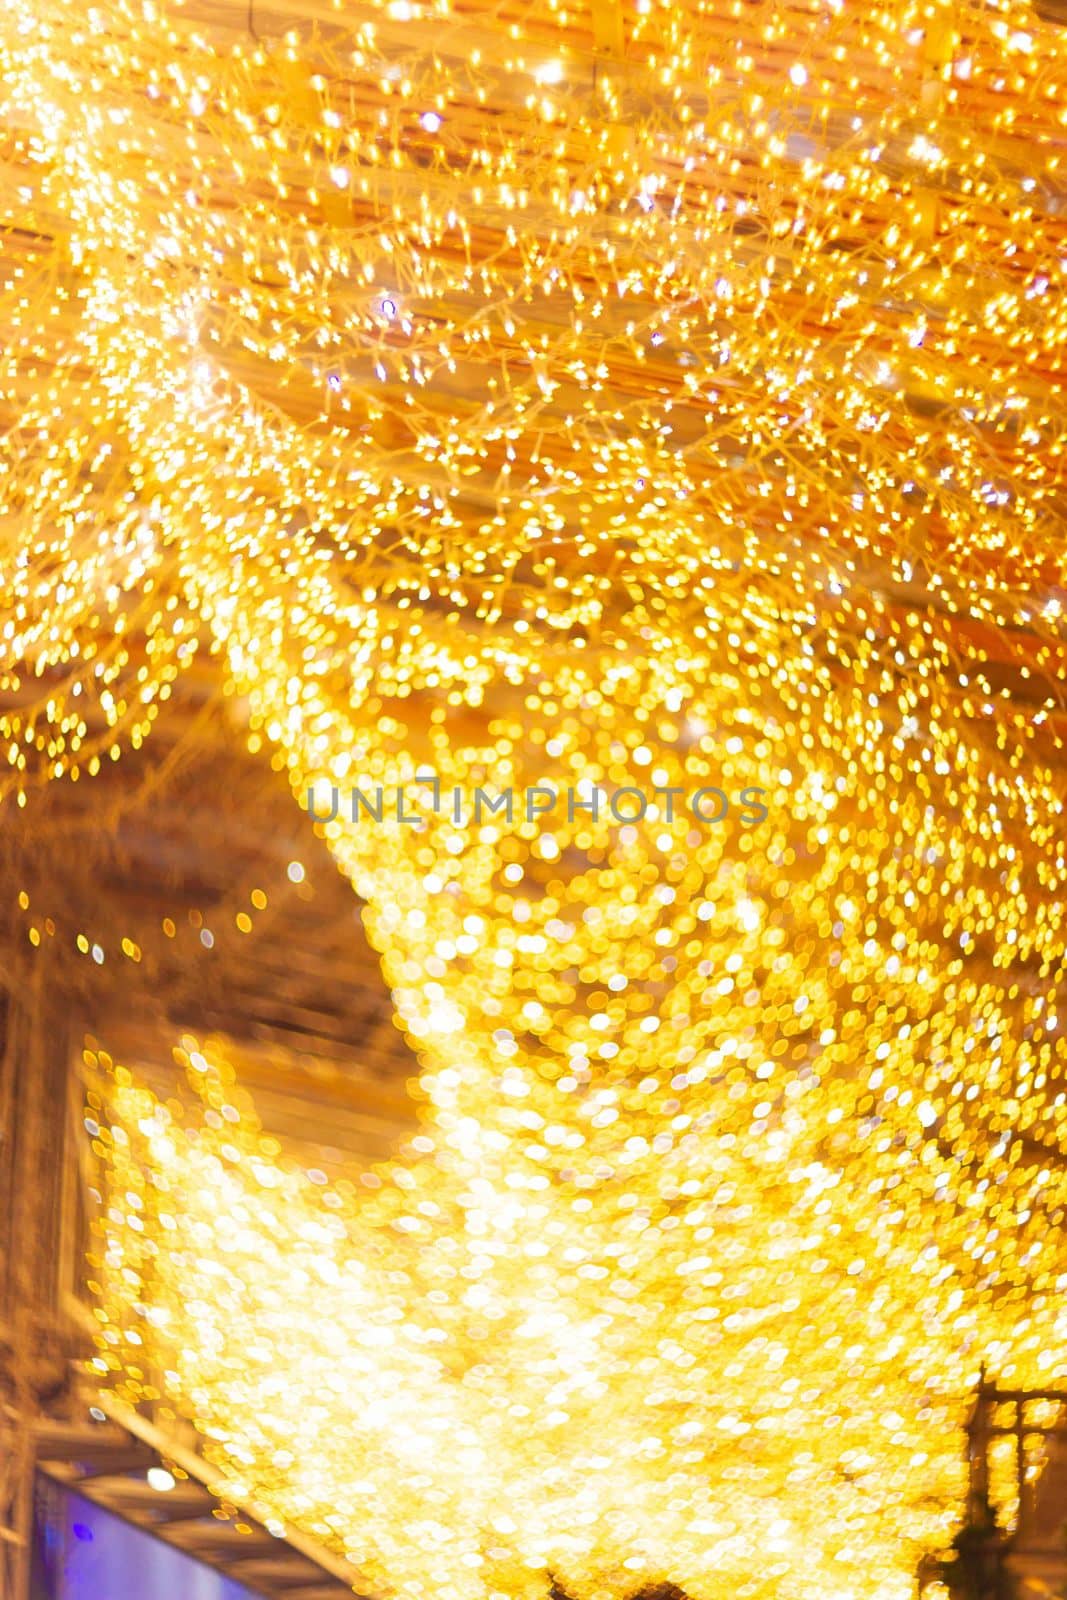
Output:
x=594 y=398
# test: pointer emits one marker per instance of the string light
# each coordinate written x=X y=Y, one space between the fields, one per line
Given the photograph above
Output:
x=592 y=446
x=729 y=1137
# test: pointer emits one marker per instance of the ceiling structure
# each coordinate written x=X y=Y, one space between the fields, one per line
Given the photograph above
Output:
x=187 y=889
x=107 y=1460
x=107 y=894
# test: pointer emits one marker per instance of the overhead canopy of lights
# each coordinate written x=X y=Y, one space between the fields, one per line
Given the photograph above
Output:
x=663 y=398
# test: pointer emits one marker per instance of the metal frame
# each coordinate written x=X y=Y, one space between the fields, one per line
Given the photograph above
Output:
x=46 y=1410
x=106 y=1462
